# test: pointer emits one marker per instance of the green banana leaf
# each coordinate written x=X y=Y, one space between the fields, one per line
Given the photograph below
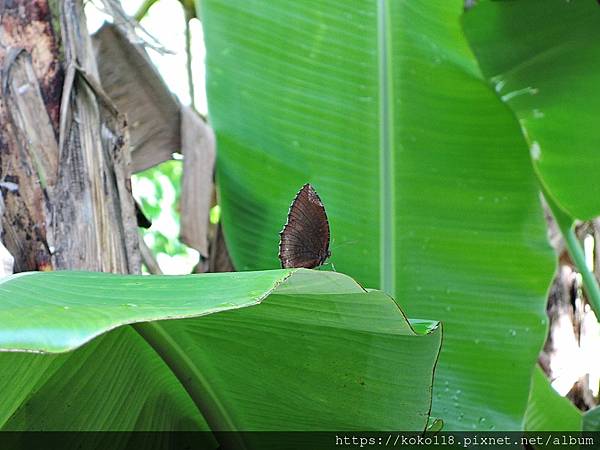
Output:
x=541 y=58
x=564 y=415
x=548 y=411
x=591 y=420
x=423 y=171
x=270 y=350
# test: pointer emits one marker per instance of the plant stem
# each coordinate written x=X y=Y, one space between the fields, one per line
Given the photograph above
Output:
x=565 y=223
x=143 y=9
x=589 y=280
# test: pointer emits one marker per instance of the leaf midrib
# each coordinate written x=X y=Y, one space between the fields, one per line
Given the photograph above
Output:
x=386 y=145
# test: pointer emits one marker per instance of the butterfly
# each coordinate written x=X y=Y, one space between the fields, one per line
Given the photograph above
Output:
x=304 y=240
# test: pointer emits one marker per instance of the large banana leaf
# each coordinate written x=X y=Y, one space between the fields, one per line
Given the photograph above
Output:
x=424 y=173
x=564 y=416
x=283 y=349
x=541 y=57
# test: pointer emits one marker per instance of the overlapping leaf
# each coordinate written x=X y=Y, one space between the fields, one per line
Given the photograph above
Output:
x=282 y=349
x=541 y=59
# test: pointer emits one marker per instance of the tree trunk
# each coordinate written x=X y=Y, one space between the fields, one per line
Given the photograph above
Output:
x=64 y=156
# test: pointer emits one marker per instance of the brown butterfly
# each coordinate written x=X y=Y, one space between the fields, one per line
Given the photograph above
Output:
x=305 y=236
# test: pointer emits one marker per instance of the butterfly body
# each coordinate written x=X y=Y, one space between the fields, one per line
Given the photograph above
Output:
x=305 y=236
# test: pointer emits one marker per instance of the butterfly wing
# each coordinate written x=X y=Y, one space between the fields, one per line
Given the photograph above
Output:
x=305 y=236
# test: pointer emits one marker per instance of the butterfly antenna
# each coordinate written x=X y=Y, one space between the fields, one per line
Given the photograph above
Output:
x=341 y=244
x=328 y=263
